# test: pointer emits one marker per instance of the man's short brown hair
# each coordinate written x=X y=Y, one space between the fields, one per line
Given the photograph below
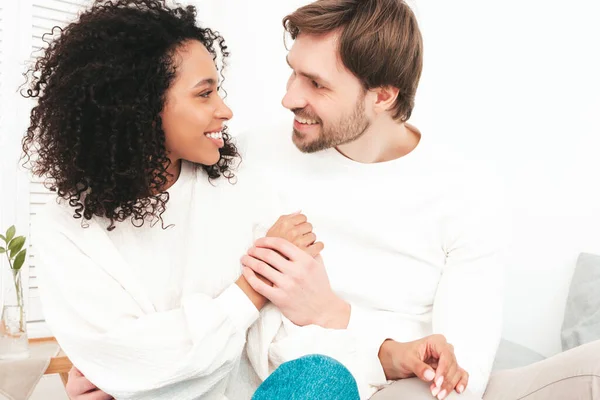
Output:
x=380 y=42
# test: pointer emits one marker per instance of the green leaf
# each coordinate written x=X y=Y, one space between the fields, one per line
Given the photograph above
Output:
x=16 y=245
x=3 y=238
x=20 y=259
x=10 y=233
x=2 y=250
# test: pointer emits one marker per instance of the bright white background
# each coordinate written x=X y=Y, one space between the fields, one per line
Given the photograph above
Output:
x=516 y=82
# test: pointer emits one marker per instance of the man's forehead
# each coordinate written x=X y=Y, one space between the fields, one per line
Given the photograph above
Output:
x=317 y=54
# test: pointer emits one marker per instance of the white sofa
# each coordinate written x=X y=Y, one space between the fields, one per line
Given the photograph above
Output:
x=574 y=319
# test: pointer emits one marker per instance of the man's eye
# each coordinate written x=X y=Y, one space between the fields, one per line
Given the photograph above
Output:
x=316 y=85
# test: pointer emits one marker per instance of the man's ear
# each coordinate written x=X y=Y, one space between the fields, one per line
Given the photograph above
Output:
x=385 y=98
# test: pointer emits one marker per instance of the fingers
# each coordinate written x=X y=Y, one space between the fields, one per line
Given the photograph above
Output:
x=455 y=379
x=270 y=257
x=291 y=220
x=297 y=219
x=80 y=388
x=450 y=380
x=423 y=371
x=294 y=228
x=463 y=380
x=315 y=249
x=303 y=229
x=95 y=395
x=305 y=240
x=436 y=344
x=258 y=285
x=77 y=384
x=446 y=365
x=295 y=233
x=261 y=268
x=287 y=249
x=295 y=223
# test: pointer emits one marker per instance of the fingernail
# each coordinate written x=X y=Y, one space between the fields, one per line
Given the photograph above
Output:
x=461 y=388
x=442 y=394
x=435 y=391
x=439 y=381
x=429 y=375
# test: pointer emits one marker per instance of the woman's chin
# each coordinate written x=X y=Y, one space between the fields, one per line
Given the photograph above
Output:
x=207 y=159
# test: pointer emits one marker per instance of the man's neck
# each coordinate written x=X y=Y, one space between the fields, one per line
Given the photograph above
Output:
x=384 y=141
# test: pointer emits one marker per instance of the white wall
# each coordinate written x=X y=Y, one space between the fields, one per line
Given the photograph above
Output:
x=517 y=82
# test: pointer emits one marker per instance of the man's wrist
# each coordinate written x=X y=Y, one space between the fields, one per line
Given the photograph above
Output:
x=386 y=358
x=337 y=316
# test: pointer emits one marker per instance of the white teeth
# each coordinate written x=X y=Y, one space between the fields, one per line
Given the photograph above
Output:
x=215 y=135
x=306 y=121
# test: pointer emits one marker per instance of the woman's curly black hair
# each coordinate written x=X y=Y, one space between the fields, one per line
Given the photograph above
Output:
x=96 y=133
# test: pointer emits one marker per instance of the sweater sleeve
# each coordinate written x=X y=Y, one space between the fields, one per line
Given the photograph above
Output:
x=126 y=351
x=468 y=304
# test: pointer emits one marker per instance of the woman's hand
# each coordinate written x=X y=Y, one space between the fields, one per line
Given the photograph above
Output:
x=80 y=388
x=296 y=229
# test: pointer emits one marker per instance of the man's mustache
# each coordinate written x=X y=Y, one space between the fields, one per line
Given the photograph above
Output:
x=303 y=113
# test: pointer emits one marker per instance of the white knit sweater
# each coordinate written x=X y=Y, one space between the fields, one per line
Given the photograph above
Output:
x=412 y=244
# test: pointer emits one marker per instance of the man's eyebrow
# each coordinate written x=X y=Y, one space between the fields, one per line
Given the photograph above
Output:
x=314 y=77
x=207 y=82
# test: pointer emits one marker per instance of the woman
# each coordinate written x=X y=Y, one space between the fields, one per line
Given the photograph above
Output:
x=139 y=258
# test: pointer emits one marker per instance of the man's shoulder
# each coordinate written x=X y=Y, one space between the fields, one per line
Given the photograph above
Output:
x=469 y=177
x=460 y=163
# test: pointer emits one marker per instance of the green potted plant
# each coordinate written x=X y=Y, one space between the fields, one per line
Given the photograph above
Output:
x=13 y=324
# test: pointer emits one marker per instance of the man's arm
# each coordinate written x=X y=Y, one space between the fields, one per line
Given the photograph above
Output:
x=301 y=290
x=330 y=326
x=467 y=307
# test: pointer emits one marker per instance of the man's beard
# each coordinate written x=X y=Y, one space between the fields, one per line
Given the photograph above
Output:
x=348 y=129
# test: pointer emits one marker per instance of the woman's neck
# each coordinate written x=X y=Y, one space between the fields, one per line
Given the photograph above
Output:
x=173 y=172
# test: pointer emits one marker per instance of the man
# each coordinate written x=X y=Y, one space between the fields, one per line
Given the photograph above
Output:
x=413 y=233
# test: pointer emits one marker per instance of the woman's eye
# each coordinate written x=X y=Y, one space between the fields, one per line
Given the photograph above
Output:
x=206 y=95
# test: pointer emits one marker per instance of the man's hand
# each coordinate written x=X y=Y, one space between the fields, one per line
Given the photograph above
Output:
x=296 y=229
x=80 y=388
x=301 y=288
x=431 y=359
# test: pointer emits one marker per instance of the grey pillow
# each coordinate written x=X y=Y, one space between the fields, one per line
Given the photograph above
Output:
x=512 y=355
x=582 y=315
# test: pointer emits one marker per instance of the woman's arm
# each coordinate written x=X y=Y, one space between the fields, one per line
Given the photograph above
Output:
x=129 y=353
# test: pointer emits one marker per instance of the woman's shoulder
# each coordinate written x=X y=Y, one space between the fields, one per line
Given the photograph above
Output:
x=58 y=217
